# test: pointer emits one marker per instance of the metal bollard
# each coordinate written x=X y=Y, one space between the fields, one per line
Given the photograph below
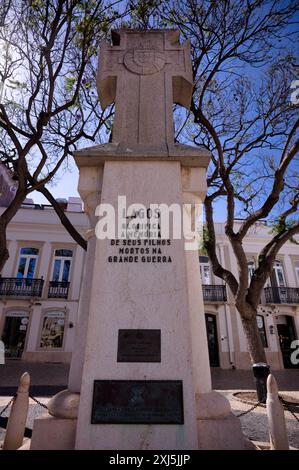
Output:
x=261 y=370
x=18 y=416
x=276 y=420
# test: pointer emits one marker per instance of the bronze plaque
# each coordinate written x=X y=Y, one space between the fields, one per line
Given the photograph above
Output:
x=139 y=346
x=137 y=402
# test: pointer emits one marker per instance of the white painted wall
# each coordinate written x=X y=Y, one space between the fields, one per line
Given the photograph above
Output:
x=44 y=228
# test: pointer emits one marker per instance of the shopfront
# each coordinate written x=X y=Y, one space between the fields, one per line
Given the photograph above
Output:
x=52 y=332
x=15 y=332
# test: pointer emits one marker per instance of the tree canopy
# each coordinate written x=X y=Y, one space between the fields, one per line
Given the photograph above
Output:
x=48 y=99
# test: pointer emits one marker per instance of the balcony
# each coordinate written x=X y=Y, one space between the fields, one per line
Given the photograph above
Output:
x=58 y=290
x=281 y=295
x=214 y=293
x=15 y=287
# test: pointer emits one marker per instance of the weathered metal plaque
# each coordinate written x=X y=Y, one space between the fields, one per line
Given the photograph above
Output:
x=137 y=402
x=139 y=346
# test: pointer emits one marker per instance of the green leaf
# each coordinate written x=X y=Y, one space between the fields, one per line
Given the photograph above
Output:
x=69 y=84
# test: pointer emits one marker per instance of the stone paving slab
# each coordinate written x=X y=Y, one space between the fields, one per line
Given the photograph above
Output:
x=43 y=373
x=287 y=379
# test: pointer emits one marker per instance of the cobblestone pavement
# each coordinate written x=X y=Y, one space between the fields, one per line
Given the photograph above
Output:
x=255 y=424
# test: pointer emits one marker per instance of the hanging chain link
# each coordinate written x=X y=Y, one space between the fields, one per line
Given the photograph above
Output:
x=38 y=402
x=284 y=403
x=250 y=409
x=287 y=407
x=8 y=405
x=13 y=398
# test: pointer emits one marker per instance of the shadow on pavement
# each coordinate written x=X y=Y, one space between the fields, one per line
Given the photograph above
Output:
x=287 y=379
x=50 y=378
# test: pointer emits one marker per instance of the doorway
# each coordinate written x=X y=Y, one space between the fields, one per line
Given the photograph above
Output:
x=286 y=334
x=14 y=335
x=212 y=336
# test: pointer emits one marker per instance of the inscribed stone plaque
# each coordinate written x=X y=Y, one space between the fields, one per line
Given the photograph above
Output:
x=137 y=402
x=139 y=346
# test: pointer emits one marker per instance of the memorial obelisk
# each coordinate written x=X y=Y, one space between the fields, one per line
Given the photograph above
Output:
x=140 y=376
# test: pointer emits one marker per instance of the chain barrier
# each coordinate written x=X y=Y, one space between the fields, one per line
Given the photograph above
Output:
x=286 y=406
x=284 y=403
x=4 y=419
x=14 y=396
x=8 y=405
x=37 y=401
x=250 y=409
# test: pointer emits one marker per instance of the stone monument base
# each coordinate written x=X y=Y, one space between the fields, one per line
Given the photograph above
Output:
x=57 y=430
x=218 y=428
x=50 y=433
x=220 y=434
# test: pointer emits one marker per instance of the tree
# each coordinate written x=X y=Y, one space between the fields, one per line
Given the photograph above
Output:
x=241 y=111
x=48 y=102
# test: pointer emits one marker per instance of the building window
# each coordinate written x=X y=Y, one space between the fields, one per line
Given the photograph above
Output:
x=27 y=263
x=52 y=330
x=62 y=265
x=277 y=277
x=261 y=327
x=205 y=270
x=251 y=269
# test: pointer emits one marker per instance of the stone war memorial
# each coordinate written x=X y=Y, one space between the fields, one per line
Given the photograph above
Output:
x=140 y=376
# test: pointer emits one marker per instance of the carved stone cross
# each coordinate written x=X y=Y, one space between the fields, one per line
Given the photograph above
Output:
x=144 y=73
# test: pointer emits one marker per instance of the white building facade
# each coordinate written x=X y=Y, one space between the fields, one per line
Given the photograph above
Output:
x=278 y=313
x=40 y=283
x=40 y=288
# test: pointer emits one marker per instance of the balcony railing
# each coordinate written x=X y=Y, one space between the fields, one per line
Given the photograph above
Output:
x=25 y=287
x=281 y=295
x=214 y=293
x=58 y=290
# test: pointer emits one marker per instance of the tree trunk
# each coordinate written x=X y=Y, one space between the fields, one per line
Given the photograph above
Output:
x=255 y=345
x=4 y=254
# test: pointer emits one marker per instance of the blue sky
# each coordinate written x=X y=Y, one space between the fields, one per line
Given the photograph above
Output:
x=67 y=182
x=65 y=187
